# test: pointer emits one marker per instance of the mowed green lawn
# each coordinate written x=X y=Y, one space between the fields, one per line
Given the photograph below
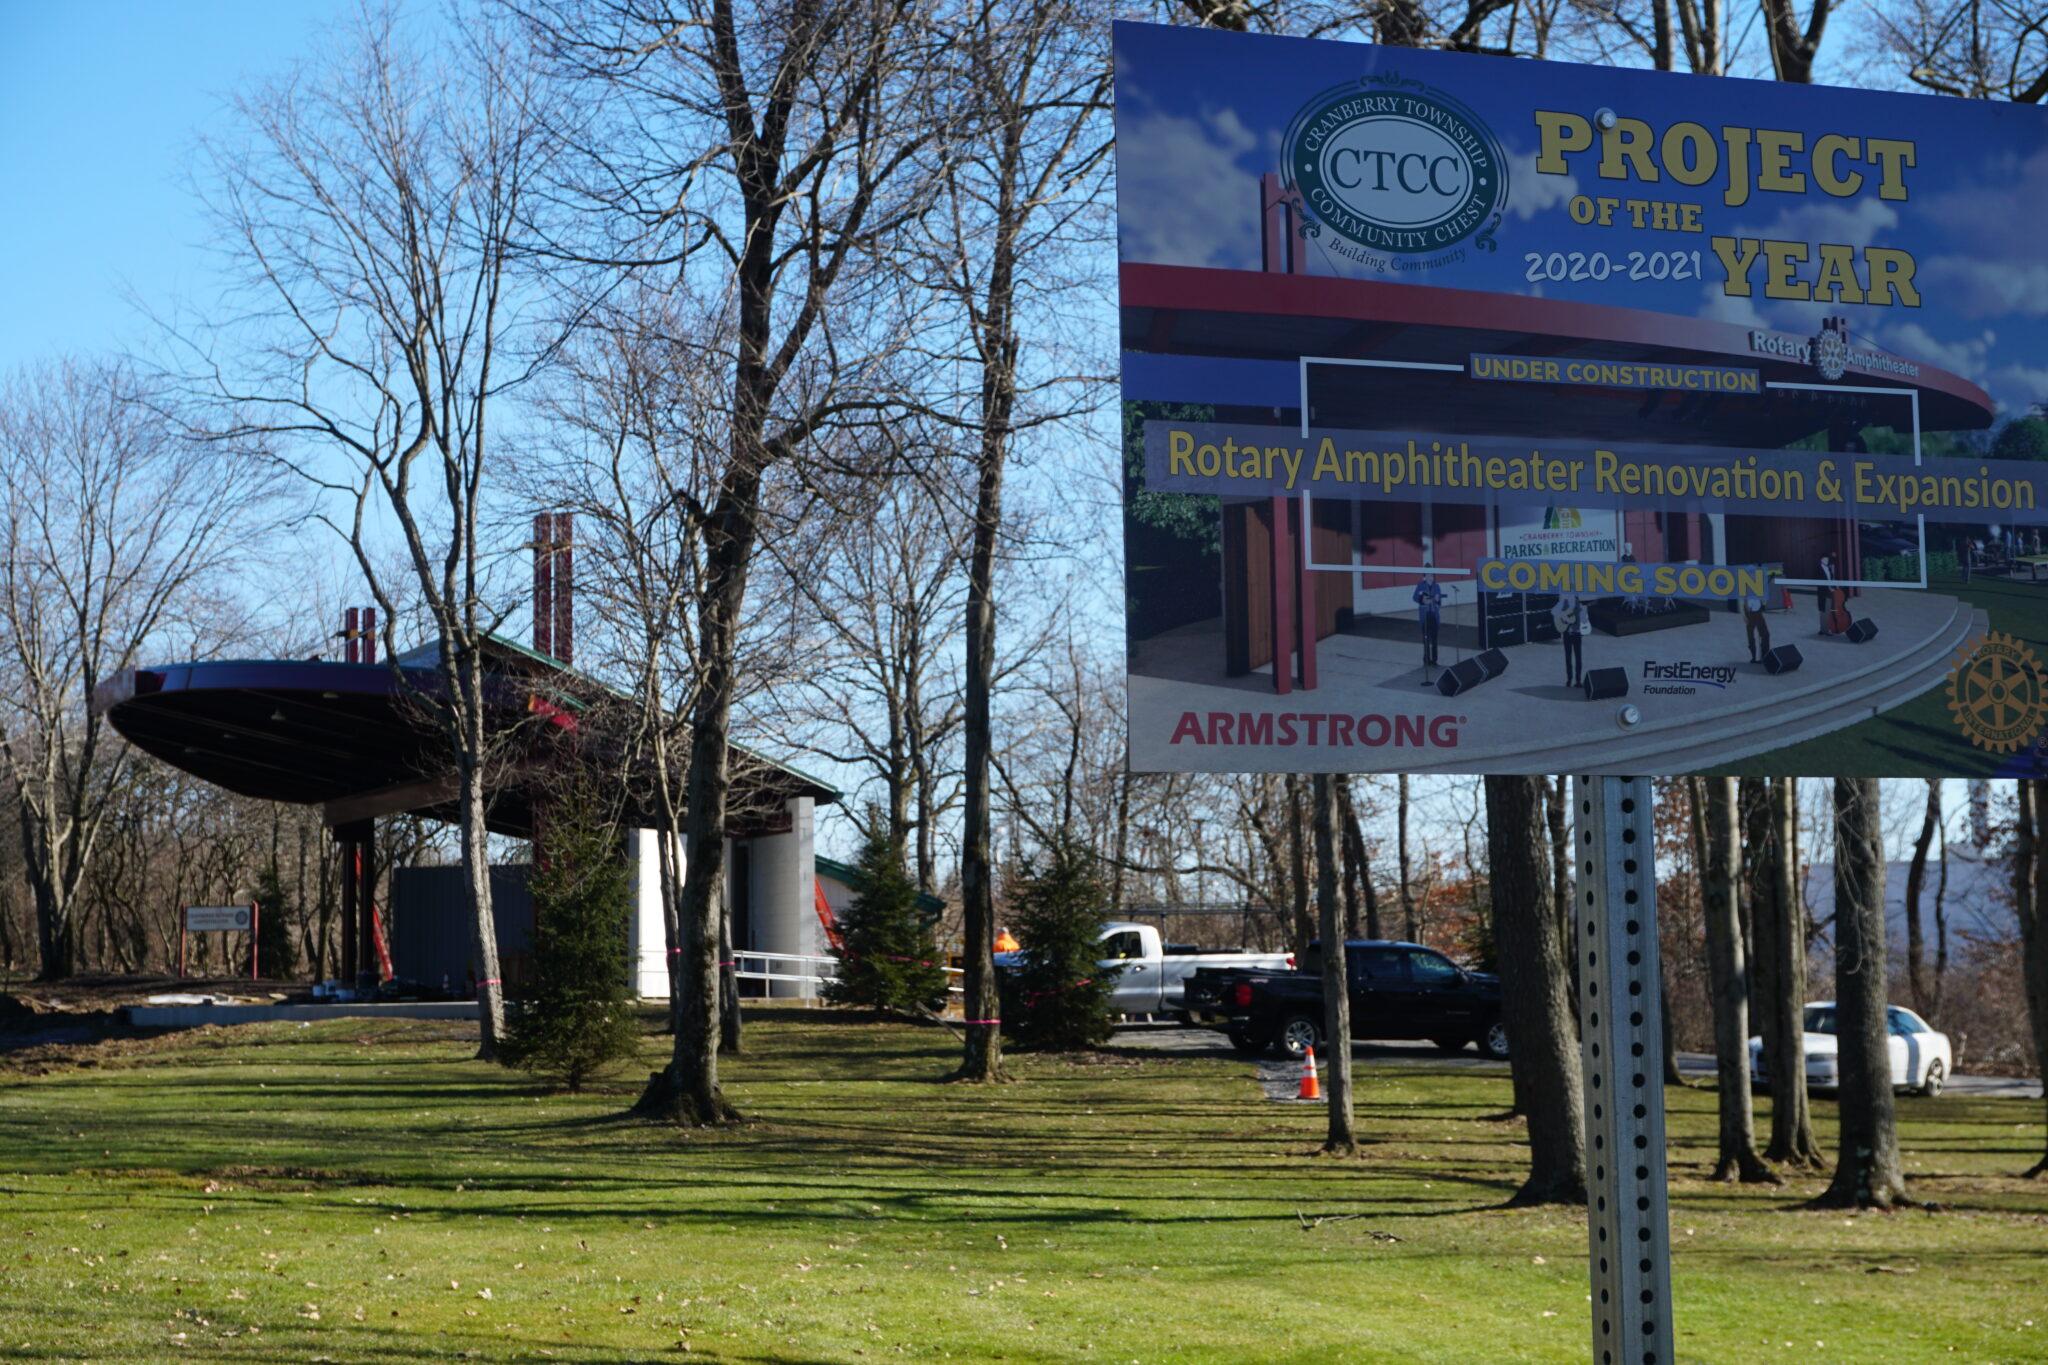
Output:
x=357 y=1192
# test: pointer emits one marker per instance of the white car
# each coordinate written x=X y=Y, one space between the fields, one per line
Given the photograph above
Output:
x=1920 y=1057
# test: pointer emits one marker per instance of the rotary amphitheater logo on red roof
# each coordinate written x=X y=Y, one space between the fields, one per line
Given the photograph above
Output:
x=1395 y=166
x=1831 y=349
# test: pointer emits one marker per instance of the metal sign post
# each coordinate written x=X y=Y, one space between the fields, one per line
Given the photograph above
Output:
x=1621 y=1012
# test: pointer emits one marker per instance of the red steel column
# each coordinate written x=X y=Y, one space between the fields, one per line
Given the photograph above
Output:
x=349 y=887
x=1284 y=575
x=366 y=901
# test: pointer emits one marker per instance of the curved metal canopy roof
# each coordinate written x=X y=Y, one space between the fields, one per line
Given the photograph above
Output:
x=354 y=738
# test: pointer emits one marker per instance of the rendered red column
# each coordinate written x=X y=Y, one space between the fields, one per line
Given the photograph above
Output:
x=1283 y=601
x=1305 y=603
x=255 y=922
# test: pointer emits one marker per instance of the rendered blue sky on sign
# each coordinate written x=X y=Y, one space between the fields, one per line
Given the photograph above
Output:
x=1198 y=124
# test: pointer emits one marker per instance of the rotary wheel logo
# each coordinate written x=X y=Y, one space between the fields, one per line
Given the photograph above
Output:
x=1831 y=354
x=1998 y=694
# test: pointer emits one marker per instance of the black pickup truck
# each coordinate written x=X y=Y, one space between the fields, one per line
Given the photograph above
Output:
x=1398 y=990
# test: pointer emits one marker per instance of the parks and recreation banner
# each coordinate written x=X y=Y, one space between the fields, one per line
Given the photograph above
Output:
x=1500 y=416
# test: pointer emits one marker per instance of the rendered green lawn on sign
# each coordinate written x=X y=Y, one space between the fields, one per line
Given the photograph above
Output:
x=365 y=1193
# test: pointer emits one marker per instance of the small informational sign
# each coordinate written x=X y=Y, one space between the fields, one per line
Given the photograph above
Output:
x=202 y=918
x=1758 y=369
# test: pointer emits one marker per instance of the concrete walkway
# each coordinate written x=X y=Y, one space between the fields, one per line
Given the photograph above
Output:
x=195 y=1016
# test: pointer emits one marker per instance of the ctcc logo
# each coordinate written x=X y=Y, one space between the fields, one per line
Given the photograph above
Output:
x=1395 y=166
x=1441 y=175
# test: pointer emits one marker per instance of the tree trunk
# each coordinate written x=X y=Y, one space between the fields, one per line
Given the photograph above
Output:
x=1407 y=868
x=1343 y=1134
x=1555 y=801
x=1304 y=925
x=1536 y=1002
x=1357 y=877
x=1668 y=1034
x=1939 y=977
x=687 y=1091
x=1868 y=1173
x=54 y=939
x=730 y=1042
x=1728 y=978
x=1916 y=880
x=483 y=921
x=1780 y=931
x=982 y=1058
x=2030 y=894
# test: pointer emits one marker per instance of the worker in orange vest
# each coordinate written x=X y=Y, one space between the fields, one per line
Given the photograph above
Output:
x=1005 y=943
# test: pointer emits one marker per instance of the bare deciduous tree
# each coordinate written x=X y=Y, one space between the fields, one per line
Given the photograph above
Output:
x=373 y=212
x=881 y=692
x=1020 y=187
x=759 y=156
x=1978 y=49
x=115 y=536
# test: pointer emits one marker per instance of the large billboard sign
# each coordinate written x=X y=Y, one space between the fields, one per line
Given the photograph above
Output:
x=1505 y=416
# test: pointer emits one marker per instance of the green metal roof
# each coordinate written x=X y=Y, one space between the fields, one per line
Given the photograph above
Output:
x=932 y=906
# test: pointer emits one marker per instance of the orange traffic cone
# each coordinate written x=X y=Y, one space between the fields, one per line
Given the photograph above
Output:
x=1310 y=1090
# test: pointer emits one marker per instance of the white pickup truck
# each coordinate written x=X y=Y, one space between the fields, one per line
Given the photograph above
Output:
x=1150 y=973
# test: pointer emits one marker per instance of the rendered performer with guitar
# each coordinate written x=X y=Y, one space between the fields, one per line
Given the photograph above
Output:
x=1573 y=621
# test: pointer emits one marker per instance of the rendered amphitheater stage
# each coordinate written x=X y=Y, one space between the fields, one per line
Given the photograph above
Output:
x=1538 y=725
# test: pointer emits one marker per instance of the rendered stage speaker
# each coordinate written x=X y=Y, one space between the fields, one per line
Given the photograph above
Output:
x=1862 y=630
x=1605 y=684
x=1462 y=676
x=1492 y=663
x=1783 y=659
x=1505 y=629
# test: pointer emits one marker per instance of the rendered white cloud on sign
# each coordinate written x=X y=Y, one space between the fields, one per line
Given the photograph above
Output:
x=1995 y=223
x=1967 y=356
x=1531 y=194
x=1997 y=209
x=1980 y=288
x=1185 y=197
x=2018 y=387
